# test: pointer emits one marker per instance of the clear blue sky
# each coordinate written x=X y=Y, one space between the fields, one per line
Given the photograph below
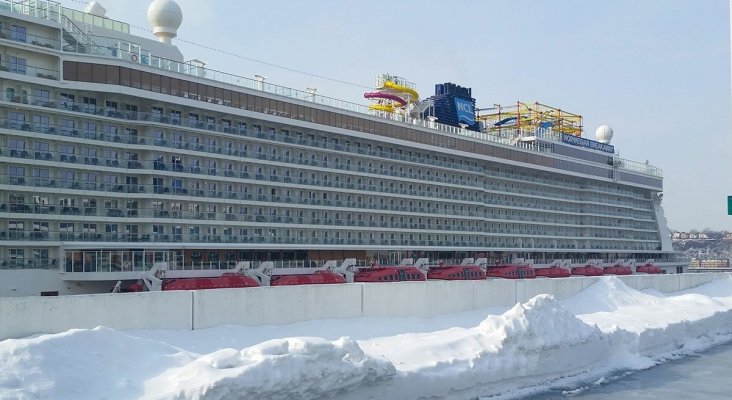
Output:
x=657 y=71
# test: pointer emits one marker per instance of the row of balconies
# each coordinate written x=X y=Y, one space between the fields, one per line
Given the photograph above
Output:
x=223 y=128
x=307 y=142
x=29 y=70
x=495 y=189
x=127 y=188
x=156 y=165
x=162 y=165
x=50 y=233
x=21 y=263
x=147 y=213
x=212 y=193
x=530 y=235
x=239 y=195
x=547 y=243
x=211 y=171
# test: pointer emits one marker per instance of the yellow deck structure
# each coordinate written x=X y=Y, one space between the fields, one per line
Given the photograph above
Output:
x=531 y=117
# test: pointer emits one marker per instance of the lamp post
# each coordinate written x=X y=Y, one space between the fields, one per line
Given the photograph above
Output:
x=260 y=81
x=311 y=93
x=433 y=121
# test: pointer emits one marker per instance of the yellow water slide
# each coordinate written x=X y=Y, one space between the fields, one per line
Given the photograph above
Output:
x=413 y=96
x=392 y=94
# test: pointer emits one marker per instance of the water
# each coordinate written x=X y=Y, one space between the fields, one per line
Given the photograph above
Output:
x=703 y=376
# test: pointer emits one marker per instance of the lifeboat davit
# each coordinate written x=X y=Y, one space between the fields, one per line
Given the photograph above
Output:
x=318 y=278
x=649 y=268
x=552 y=272
x=588 y=270
x=511 y=271
x=226 y=280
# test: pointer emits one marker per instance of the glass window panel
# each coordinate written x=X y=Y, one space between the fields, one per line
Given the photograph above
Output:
x=84 y=72
x=175 y=87
x=112 y=75
x=135 y=78
x=145 y=80
x=155 y=82
x=99 y=73
x=124 y=77
x=165 y=85
x=70 y=70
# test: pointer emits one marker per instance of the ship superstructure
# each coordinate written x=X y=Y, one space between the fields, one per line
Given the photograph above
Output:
x=115 y=154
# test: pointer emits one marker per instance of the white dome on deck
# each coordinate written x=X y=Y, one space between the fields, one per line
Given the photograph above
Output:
x=604 y=134
x=165 y=17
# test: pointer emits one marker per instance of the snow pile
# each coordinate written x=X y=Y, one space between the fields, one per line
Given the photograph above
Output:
x=604 y=330
x=525 y=346
x=538 y=336
x=658 y=327
x=294 y=368
x=608 y=294
x=82 y=364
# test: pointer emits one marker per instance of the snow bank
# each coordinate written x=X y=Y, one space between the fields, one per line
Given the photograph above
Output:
x=528 y=344
x=82 y=364
x=281 y=369
x=608 y=327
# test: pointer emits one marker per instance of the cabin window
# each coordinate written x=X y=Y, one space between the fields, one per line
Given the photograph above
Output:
x=98 y=73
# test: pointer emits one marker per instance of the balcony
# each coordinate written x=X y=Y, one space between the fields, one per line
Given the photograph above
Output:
x=28 y=70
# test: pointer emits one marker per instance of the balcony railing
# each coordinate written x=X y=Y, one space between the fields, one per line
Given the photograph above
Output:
x=29 y=70
x=227 y=128
x=32 y=263
x=29 y=38
x=53 y=11
x=474 y=241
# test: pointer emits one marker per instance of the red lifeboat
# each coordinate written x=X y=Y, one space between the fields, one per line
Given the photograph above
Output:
x=318 y=278
x=381 y=273
x=617 y=269
x=649 y=268
x=404 y=272
x=588 y=270
x=511 y=271
x=133 y=287
x=552 y=272
x=226 y=280
x=456 y=272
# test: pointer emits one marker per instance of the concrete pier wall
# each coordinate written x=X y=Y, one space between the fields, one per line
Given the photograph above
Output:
x=24 y=316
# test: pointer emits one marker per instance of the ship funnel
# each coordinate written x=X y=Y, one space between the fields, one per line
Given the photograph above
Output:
x=165 y=18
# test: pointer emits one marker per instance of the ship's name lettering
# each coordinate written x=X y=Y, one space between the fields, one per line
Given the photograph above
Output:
x=590 y=144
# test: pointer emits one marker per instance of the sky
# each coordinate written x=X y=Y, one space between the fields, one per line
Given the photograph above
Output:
x=598 y=335
x=656 y=71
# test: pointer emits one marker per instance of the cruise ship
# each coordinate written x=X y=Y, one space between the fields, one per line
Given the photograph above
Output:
x=116 y=153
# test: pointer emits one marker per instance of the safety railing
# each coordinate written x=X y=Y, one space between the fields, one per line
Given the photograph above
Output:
x=28 y=70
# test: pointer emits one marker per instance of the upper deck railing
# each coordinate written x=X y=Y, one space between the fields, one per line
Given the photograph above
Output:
x=131 y=52
x=53 y=11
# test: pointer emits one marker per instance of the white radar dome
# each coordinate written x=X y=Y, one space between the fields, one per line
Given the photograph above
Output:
x=604 y=134
x=165 y=18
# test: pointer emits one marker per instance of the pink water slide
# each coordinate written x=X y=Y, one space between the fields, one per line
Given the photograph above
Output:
x=386 y=96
